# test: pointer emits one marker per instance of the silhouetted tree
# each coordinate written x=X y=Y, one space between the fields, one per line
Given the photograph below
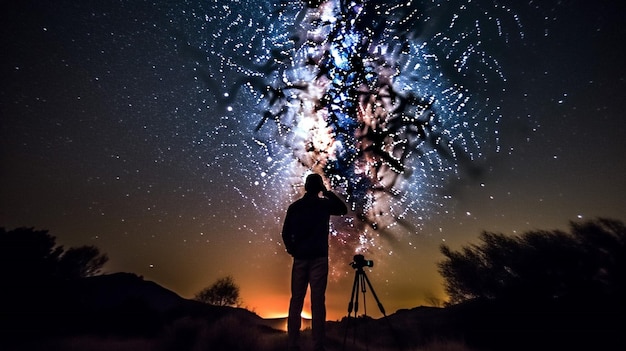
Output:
x=81 y=262
x=587 y=263
x=224 y=292
x=27 y=255
x=31 y=257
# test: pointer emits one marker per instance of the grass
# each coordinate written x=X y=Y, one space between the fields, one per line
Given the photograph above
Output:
x=226 y=334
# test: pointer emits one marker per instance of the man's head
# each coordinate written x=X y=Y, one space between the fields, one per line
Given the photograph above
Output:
x=314 y=183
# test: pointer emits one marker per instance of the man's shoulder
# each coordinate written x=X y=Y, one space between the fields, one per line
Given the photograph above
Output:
x=306 y=202
x=298 y=203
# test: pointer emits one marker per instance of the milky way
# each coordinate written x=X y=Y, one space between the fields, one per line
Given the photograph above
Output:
x=387 y=100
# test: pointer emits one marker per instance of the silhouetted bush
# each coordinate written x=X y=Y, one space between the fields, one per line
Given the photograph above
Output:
x=542 y=289
x=34 y=269
x=586 y=264
x=29 y=256
x=81 y=262
x=224 y=292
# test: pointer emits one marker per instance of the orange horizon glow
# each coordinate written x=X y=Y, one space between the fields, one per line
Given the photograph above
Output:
x=277 y=306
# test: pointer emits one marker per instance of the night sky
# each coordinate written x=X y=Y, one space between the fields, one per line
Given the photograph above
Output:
x=141 y=127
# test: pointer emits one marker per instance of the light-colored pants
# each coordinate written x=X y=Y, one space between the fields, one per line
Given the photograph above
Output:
x=305 y=272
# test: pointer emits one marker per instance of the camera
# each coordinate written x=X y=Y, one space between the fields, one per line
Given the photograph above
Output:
x=360 y=262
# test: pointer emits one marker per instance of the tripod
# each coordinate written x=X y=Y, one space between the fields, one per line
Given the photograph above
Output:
x=360 y=279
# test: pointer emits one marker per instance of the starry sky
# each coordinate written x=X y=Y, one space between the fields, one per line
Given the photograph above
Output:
x=155 y=131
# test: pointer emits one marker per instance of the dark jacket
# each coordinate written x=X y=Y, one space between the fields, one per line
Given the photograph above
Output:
x=306 y=225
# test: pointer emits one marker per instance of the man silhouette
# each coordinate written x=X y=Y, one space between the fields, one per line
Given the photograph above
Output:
x=305 y=234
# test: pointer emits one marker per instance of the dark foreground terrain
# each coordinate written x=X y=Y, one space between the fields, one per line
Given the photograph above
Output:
x=124 y=312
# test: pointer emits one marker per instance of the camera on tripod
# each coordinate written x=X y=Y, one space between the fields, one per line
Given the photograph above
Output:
x=359 y=261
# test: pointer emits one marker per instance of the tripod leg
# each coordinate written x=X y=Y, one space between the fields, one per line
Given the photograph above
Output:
x=354 y=289
x=356 y=294
x=363 y=290
x=380 y=305
x=351 y=304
